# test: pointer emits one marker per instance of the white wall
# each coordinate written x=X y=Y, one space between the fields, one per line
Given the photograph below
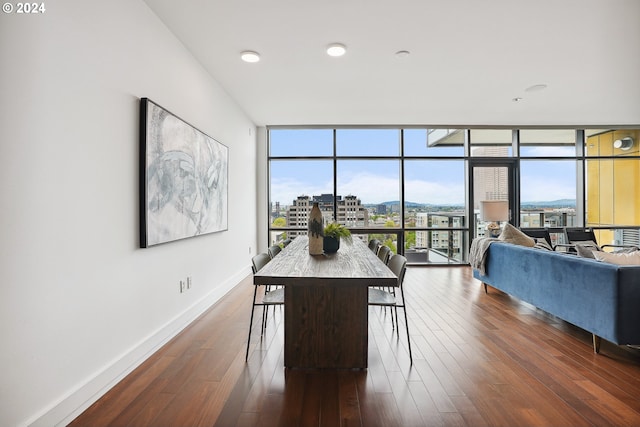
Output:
x=262 y=188
x=80 y=304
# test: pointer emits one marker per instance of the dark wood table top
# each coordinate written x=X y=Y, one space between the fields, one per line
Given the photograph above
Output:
x=354 y=264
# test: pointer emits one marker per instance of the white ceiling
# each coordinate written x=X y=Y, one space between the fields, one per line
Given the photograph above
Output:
x=469 y=59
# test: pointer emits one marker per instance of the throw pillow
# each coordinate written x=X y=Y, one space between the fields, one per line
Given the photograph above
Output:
x=586 y=248
x=632 y=258
x=585 y=251
x=511 y=234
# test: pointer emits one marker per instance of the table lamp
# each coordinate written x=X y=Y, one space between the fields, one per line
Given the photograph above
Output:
x=494 y=211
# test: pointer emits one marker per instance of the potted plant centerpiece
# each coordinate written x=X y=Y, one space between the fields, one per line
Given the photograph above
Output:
x=332 y=234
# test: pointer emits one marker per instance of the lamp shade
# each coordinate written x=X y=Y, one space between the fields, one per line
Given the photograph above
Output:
x=494 y=210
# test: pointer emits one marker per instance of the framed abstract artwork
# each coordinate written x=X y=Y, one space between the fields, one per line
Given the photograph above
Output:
x=183 y=178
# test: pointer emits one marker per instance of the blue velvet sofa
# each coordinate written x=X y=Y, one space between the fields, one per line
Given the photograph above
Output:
x=599 y=297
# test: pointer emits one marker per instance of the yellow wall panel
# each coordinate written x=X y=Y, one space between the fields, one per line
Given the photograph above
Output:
x=613 y=185
x=606 y=144
x=625 y=179
x=606 y=192
x=593 y=192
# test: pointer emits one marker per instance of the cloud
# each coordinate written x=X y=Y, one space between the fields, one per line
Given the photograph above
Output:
x=551 y=151
x=369 y=188
x=286 y=190
x=437 y=193
x=547 y=180
x=377 y=188
x=547 y=189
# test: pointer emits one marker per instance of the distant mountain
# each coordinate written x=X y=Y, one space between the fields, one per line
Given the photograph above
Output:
x=411 y=204
x=561 y=203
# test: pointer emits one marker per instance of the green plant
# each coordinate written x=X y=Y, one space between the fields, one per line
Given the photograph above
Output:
x=336 y=230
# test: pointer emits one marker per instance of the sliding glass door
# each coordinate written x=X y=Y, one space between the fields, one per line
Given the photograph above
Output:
x=492 y=195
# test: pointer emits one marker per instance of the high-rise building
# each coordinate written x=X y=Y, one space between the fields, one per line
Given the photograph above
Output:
x=350 y=211
x=490 y=183
x=444 y=241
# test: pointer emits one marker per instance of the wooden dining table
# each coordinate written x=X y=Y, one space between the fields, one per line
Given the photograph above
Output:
x=326 y=302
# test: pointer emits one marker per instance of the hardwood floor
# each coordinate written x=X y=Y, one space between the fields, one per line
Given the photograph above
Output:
x=479 y=360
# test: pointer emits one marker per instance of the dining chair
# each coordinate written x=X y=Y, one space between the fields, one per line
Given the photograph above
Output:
x=384 y=253
x=373 y=245
x=274 y=250
x=383 y=298
x=269 y=297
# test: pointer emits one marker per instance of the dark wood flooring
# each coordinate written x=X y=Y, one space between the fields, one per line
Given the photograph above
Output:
x=479 y=360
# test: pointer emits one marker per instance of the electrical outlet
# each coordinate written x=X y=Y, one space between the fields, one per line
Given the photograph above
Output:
x=181 y=286
x=188 y=282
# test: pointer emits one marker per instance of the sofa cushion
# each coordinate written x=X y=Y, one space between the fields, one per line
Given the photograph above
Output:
x=631 y=258
x=511 y=234
x=626 y=250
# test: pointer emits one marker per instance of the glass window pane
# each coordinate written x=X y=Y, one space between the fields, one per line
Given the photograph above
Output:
x=491 y=142
x=374 y=184
x=300 y=142
x=490 y=183
x=293 y=185
x=548 y=142
x=548 y=193
x=433 y=186
x=435 y=246
x=388 y=238
x=434 y=142
x=490 y=199
x=368 y=142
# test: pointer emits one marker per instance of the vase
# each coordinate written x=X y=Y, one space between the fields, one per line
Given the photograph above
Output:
x=331 y=244
x=315 y=231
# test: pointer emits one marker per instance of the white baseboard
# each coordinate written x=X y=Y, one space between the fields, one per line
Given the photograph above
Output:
x=69 y=406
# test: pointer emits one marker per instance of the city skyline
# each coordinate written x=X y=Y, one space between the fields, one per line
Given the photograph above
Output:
x=540 y=204
x=377 y=181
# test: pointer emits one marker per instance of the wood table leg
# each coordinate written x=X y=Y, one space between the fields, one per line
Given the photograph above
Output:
x=326 y=326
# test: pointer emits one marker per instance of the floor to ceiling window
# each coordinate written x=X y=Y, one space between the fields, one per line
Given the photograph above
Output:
x=301 y=163
x=434 y=195
x=549 y=180
x=410 y=187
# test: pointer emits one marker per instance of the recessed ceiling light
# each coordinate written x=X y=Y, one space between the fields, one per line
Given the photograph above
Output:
x=336 y=49
x=536 y=88
x=517 y=99
x=402 y=53
x=250 y=56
